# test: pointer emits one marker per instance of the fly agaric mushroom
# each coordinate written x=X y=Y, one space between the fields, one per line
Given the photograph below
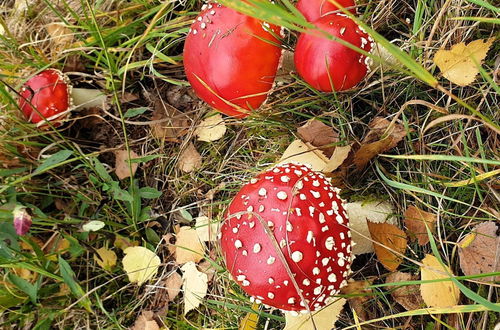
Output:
x=231 y=59
x=314 y=9
x=328 y=65
x=286 y=238
x=46 y=97
x=49 y=96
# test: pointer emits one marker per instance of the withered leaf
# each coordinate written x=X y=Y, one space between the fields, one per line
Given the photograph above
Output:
x=389 y=236
x=145 y=321
x=319 y=135
x=441 y=293
x=173 y=125
x=190 y=159
x=479 y=251
x=416 y=221
x=122 y=168
x=188 y=246
x=361 y=293
x=173 y=283
x=407 y=296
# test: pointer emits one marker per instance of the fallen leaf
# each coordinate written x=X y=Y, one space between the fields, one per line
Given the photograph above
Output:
x=194 y=285
x=390 y=238
x=173 y=284
x=479 y=251
x=304 y=153
x=190 y=159
x=145 y=321
x=60 y=37
x=93 y=225
x=437 y=294
x=250 y=321
x=359 y=212
x=407 y=296
x=416 y=221
x=169 y=123
x=208 y=268
x=105 y=258
x=460 y=64
x=122 y=242
x=382 y=137
x=325 y=318
x=338 y=157
x=188 y=247
x=122 y=168
x=361 y=293
x=319 y=135
x=140 y=264
x=211 y=129
x=206 y=230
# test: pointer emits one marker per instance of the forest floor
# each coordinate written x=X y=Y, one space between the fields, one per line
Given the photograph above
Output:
x=412 y=138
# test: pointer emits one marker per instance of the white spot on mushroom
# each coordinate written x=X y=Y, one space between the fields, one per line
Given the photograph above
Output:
x=271 y=260
x=311 y=210
x=235 y=230
x=316 y=183
x=302 y=197
x=306 y=282
x=285 y=282
x=339 y=219
x=261 y=208
x=250 y=208
x=316 y=194
x=251 y=224
x=282 y=243
x=212 y=12
x=256 y=248
x=203 y=25
x=316 y=271
x=238 y=244
x=270 y=295
x=291 y=300
x=310 y=236
x=317 y=290
x=285 y=178
x=204 y=6
x=342 y=236
x=194 y=31
x=253 y=181
x=282 y=195
x=270 y=224
x=270 y=280
x=289 y=226
x=299 y=212
x=329 y=243
x=297 y=256
x=244 y=252
x=324 y=261
x=241 y=278
x=262 y=192
x=324 y=228
x=321 y=217
x=245 y=283
x=332 y=278
x=298 y=173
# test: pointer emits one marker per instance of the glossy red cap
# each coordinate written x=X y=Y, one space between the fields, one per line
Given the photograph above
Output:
x=50 y=93
x=231 y=59
x=288 y=215
x=322 y=62
x=314 y=9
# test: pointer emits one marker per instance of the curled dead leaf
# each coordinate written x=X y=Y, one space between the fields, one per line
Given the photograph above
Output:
x=190 y=159
x=416 y=222
x=361 y=294
x=169 y=123
x=122 y=168
x=173 y=284
x=407 y=296
x=319 y=135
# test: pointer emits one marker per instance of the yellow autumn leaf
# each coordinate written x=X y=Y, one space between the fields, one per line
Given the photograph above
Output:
x=304 y=153
x=249 y=322
x=211 y=128
x=437 y=294
x=460 y=64
x=188 y=246
x=140 y=264
x=105 y=258
x=194 y=285
x=325 y=318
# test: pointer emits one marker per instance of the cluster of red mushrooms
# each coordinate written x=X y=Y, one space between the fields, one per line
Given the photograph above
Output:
x=286 y=238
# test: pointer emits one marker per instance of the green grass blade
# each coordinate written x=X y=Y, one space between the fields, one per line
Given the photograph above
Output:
x=70 y=279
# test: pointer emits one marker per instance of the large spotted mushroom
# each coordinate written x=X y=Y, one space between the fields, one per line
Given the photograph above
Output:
x=231 y=59
x=328 y=65
x=286 y=239
x=314 y=9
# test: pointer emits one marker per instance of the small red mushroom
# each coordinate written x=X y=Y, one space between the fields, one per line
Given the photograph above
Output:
x=231 y=59
x=314 y=9
x=49 y=92
x=328 y=65
x=288 y=217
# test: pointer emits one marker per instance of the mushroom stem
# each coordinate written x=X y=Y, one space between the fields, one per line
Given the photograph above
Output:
x=85 y=98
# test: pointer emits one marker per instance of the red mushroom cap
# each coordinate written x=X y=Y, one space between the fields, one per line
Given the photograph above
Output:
x=50 y=93
x=323 y=63
x=314 y=9
x=305 y=214
x=231 y=59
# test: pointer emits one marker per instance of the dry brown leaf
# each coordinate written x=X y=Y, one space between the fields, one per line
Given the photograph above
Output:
x=61 y=37
x=211 y=129
x=361 y=293
x=122 y=169
x=407 y=296
x=338 y=157
x=319 y=135
x=416 y=221
x=389 y=236
x=479 y=251
x=206 y=229
x=145 y=321
x=208 y=268
x=174 y=122
x=190 y=159
x=188 y=246
x=304 y=153
x=460 y=64
x=437 y=294
x=173 y=283
x=122 y=242
x=382 y=137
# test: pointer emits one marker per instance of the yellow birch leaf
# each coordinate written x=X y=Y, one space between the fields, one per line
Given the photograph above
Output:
x=437 y=294
x=188 y=246
x=304 y=153
x=325 y=318
x=140 y=264
x=195 y=286
x=211 y=128
x=460 y=64
x=105 y=258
